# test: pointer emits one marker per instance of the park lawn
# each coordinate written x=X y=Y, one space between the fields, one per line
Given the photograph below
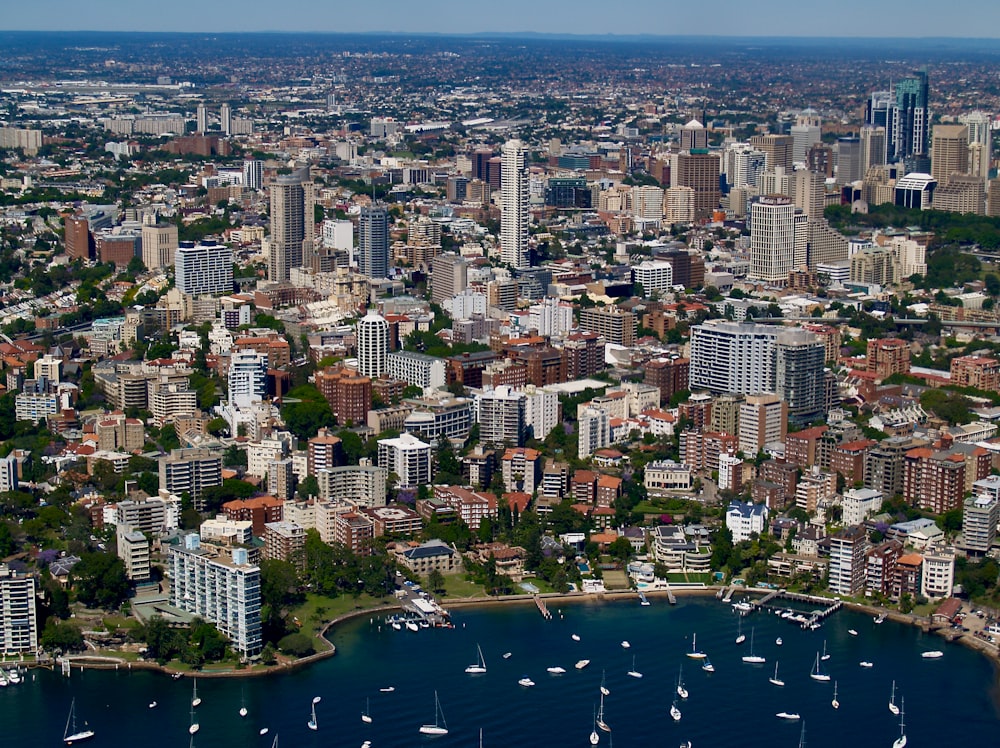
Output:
x=456 y=586
x=318 y=610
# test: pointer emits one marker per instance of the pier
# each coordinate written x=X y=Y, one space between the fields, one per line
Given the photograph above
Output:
x=670 y=596
x=806 y=621
x=543 y=608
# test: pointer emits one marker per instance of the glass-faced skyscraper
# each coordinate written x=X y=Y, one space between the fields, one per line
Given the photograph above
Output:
x=910 y=121
x=373 y=242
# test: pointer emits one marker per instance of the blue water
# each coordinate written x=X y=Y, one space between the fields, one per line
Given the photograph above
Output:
x=945 y=700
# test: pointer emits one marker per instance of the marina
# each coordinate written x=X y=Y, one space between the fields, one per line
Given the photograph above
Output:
x=558 y=710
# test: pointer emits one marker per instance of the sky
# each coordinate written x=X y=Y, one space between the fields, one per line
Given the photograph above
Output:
x=865 y=18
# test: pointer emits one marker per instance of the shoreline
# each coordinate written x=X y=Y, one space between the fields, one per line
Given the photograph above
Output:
x=95 y=662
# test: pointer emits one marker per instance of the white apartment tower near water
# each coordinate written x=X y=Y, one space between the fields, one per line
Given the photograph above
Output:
x=514 y=211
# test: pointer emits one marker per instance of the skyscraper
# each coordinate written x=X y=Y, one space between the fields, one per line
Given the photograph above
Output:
x=372 y=333
x=293 y=227
x=226 y=119
x=159 y=243
x=698 y=170
x=514 y=211
x=373 y=242
x=873 y=147
x=449 y=276
x=202 y=119
x=253 y=174
x=849 y=160
x=772 y=238
x=910 y=122
x=949 y=152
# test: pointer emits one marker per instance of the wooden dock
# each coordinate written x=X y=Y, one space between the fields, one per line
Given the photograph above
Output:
x=543 y=608
x=670 y=596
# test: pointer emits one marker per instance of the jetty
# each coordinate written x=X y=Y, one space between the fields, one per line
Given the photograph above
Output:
x=670 y=596
x=543 y=608
x=806 y=620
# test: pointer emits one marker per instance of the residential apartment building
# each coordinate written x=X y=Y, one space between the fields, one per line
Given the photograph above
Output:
x=203 y=269
x=285 y=541
x=847 y=561
x=362 y=485
x=190 y=471
x=426 y=372
x=407 y=457
x=223 y=588
x=521 y=469
x=471 y=506
x=615 y=325
x=133 y=550
x=980 y=515
x=501 y=416
x=18 y=619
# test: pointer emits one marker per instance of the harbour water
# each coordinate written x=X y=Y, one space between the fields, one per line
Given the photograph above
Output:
x=946 y=700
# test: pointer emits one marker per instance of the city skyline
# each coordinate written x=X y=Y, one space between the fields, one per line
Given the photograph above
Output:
x=770 y=18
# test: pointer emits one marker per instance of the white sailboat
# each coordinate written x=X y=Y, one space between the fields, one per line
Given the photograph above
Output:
x=835 y=703
x=825 y=656
x=440 y=727
x=900 y=742
x=366 y=714
x=707 y=666
x=595 y=737
x=195 y=698
x=194 y=726
x=480 y=666
x=681 y=691
x=694 y=654
x=775 y=680
x=675 y=713
x=892 y=700
x=73 y=735
x=604 y=689
x=740 y=636
x=633 y=672
x=816 y=674
x=600 y=715
x=752 y=658
x=312 y=723
x=243 y=704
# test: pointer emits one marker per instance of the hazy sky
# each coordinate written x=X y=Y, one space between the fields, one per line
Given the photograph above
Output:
x=879 y=18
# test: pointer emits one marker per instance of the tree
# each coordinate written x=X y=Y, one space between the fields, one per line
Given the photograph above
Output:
x=435 y=581
x=100 y=581
x=308 y=487
x=65 y=637
x=297 y=645
x=621 y=549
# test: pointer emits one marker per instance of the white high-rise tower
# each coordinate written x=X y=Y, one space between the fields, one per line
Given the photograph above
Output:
x=514 y=213
x=372 y=334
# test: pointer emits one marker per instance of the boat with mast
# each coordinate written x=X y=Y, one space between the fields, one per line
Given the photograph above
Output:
x=774 y=679
x=604 y=689
x=194 y=726
x=366 y=716
x=752 y=658
x=243 y=704
x=816 y=674
x=633 y=672
x=835 y=703
x=600 y=715
x=73 y=735
x=695 y=654
x=740 y=636
x=195 y=698
x=825 y=656
x=480 y=666
x=892 y=700
x=440 y=727
x=681 y=691
x=900 y=742
x=312 y=723
x=595 y=737
x=675 y=713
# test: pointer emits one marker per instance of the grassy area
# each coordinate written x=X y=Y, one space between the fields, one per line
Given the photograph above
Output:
x=317 y=610
x=457 y=586
x=703 y=577
x=615 y=580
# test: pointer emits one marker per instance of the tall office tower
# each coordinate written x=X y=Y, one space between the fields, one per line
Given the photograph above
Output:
x=949 y=152
x=514 y=210
x=772 y=238
x=202 y=119
x=980 y=142
x=449 y=276
x=480 y=159
x=372 y=334
x=226 y=119
x=159 y=243
x=806 y=132
x=777 y=147
x=849 y=160
x=743 y=165
x=878 y=109
x=373 y=242
x=293 y=226
x=873 y=144
x=203 y=269
x=810 y=194
x=699 y=170
x=693 y=136
x=253 y=174
x=78 y=239
x=910 y=119
x=647 y=202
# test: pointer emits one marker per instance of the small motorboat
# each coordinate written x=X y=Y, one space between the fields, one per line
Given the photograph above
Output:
x=263 y=731
x=788 y=715
x=506 y=655
x=880 y=618
x=388 y=689
x=575 y=637
x=555 y=670
x=626 y=644
x=526 y=682
x=934 y=654
x=866 y=664
x=852 y=632
x=581 y=664
x=779 y=641
x=152 y=705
